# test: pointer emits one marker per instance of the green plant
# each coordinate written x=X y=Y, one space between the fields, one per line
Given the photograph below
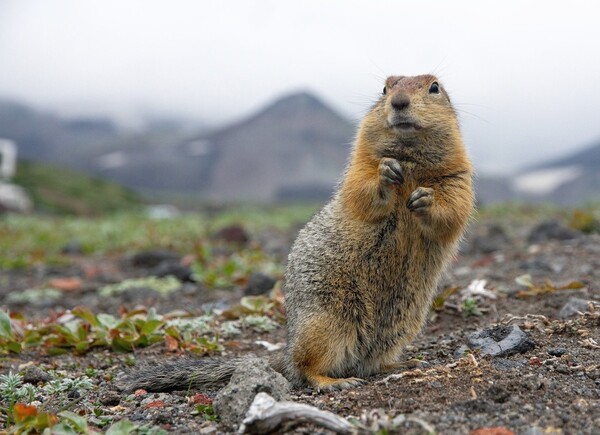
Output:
x=28 y=419
x=584 y=221
x=9 y=342
x=440 y=300
x=470 y=308
x=34 y=295
x=259 y=323
x=10 y=392
x=80 y=330
x=206 y=411
x=163 y=286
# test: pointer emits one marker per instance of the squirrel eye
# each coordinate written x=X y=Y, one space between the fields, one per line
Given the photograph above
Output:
x=384 y=90
x=434 y=88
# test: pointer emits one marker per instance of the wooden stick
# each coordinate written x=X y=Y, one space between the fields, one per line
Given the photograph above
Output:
x=267 y=416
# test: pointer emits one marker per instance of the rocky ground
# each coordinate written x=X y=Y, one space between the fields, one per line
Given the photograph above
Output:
x=512 y=344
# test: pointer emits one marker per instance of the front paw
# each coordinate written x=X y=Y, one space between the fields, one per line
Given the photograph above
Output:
x=390 y=171
x=420 y=201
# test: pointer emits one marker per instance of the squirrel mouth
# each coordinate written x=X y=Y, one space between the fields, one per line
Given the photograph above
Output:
x=404 y=126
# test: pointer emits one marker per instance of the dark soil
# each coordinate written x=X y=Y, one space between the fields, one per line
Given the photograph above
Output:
x=552 y=388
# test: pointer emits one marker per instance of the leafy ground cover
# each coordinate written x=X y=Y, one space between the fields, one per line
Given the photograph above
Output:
x=83 y=300
x=67 y=191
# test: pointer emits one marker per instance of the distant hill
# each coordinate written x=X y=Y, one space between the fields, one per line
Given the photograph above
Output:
x=43 y=136
x=569 y=180
x=295 y=148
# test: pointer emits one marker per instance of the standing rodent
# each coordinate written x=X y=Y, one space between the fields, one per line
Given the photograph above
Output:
x=363 y=272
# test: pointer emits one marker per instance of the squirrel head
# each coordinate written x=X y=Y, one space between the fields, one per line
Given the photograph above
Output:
x=412 y=115
x=415 y=104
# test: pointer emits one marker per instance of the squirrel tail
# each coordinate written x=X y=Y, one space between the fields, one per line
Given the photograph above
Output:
x=186 y=372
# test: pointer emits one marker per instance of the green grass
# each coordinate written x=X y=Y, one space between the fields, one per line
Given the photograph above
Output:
x=64 y=191
x=527 y=211
x=33 y=239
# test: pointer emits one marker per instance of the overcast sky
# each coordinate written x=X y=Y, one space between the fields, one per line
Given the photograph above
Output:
x=524 y=75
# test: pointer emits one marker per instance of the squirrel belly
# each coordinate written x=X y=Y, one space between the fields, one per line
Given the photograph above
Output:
x=362 y=273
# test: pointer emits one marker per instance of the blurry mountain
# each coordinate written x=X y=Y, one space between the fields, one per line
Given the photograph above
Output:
x=44 y=136
x=570 y=180
x=295 y=148
x=493 y=190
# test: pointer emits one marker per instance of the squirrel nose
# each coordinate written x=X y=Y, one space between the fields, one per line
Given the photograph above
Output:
x=400 y=101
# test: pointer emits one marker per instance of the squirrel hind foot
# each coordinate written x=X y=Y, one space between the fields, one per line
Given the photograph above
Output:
x=327 y=384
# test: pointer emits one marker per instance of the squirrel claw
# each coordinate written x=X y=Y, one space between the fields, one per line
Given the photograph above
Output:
x=390 y=171
x=339 y=384
x=420 y=200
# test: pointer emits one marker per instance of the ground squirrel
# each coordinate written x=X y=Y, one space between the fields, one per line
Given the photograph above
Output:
x=362 y=273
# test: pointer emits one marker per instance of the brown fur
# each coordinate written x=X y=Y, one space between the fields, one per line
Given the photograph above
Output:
x=350 y=317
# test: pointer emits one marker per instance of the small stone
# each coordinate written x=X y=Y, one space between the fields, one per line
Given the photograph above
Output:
x=500 y=340
x=234 y=233
x=508 y=364
x=551 y=230
x=259 y=284
x=557 y=351
x=490 y=238
x=460 y=352
x=498 y=394
x=110 y=398
x=34 y=374
x=573 y=307
x=255 y=376
x=72 y=247
x=150 y=259
x=173 y=268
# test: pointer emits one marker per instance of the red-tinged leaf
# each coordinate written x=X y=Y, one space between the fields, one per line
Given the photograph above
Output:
x=155 y=404
x=201 y=399
x=140 y=392
x=22 y=411
x=86 y=314
x=171 y=343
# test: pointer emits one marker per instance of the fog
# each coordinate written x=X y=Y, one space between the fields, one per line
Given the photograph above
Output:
x=522 y=74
